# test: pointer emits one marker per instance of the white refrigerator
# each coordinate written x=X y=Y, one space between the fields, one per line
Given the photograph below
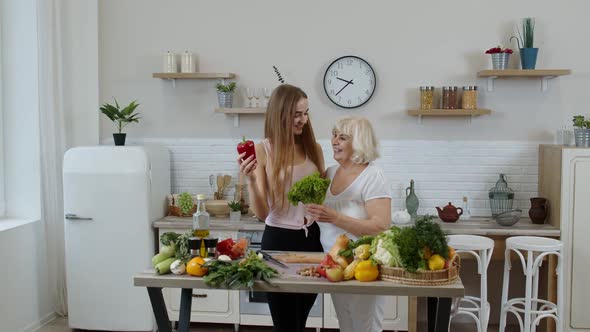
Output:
x=111 y=197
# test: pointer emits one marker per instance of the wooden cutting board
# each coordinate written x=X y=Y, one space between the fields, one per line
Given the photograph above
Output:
x=302 y=258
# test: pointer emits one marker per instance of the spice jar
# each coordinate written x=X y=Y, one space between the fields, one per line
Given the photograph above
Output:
x=469 y=100
x=453 y=91
x=426 y=97
x=445 y=98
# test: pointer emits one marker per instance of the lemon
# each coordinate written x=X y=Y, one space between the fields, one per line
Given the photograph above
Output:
x=436 y=262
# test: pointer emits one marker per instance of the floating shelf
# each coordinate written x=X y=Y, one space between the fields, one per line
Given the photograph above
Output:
x=543 y=74
x=245 y=110
x=449 y=112
x=237 y=111
x=191 y=76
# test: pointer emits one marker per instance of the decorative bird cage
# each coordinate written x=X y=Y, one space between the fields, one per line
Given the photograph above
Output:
x=501 y=196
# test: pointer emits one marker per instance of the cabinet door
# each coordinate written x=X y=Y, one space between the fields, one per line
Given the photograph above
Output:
x=395 y=313
x=208 y=305
x=580 y=292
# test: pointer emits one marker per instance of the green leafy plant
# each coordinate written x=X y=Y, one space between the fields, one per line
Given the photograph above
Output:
x=231 y=87
x=185 y=203
x=580 y=122
x=525 y=38
x=414 y=242
x=310 y=189
x=121 y=117
x=238 y=274
x=235 y=206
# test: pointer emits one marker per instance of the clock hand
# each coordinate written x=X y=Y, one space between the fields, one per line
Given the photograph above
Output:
x=347 y=83
x=345 y=80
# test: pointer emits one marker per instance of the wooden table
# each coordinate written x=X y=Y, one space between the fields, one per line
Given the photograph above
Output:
x=439 y=297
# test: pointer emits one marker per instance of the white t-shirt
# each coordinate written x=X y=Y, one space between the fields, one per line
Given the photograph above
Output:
x=370 y=184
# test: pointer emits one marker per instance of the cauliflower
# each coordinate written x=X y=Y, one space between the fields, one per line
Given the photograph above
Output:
x=383 y=248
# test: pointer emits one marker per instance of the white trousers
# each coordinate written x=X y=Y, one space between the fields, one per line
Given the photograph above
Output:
x=358 y=312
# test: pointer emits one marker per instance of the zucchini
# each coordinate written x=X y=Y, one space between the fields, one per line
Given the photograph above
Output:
x=164 y=266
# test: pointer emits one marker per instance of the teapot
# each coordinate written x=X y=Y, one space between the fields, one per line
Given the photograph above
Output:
x=401 y=217
x=449 y=213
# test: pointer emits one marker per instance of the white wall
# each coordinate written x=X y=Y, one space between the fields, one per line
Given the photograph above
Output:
x=25 y=302
x=408 y=44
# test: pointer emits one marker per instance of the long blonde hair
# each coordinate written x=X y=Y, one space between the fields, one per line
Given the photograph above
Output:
x=278 y=129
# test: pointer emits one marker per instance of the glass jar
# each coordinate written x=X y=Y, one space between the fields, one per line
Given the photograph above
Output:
x=453 y=91
x=445 y=98
x=426 y=97
x=469 y=99
x=501 y=196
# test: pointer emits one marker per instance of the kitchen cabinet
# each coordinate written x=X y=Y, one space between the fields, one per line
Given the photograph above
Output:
x=208 y=305
x=395 y=318
x=564 y=179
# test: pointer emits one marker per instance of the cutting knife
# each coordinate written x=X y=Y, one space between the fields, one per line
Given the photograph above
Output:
x=268 y=257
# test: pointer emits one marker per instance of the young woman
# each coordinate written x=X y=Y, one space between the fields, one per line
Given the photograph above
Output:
x=358 y=202
x=288 y=153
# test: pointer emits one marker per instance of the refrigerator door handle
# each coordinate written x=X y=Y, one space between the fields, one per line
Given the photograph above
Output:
x=71 y=216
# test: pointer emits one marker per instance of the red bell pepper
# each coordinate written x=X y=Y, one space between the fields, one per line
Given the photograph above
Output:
x=248 y=147
x=327 y=263
x=224 y=247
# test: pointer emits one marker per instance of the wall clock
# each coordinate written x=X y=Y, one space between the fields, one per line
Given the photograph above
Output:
x=349 y=81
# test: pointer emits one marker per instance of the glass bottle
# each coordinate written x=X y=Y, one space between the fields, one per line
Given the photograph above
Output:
x=412 y=202
x=201 y=223
x=466 y=209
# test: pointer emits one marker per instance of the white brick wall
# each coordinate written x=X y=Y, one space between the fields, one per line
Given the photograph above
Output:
x=443 y=171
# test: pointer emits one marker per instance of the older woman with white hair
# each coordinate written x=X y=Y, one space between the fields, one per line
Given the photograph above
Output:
x=358 y=202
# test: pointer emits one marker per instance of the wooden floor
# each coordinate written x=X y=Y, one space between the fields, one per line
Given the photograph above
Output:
x=61 y=325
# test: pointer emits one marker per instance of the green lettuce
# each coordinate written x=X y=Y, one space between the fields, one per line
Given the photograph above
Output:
x=309 y=190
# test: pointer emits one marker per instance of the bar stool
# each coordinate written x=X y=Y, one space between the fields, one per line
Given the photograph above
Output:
x=477 y=308
x=532 y=308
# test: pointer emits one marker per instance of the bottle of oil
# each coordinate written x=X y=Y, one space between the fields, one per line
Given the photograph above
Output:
x=201 y=223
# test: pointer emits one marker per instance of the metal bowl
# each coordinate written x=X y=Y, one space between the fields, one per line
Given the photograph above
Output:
x=509 y=217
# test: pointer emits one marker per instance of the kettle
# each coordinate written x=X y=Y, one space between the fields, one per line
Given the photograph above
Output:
x=449 y=213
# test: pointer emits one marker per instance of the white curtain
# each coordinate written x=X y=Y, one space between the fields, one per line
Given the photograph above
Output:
x=52 y=135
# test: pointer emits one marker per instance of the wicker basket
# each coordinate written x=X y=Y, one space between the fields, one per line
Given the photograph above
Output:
x=422 y=278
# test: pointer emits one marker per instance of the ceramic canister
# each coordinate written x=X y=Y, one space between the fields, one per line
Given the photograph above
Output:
x=187 y=63
x=169 y=63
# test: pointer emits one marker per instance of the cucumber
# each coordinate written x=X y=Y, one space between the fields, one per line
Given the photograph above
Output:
x=164 y=266
x=160 y=258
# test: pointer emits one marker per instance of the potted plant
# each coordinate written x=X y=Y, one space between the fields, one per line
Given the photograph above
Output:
x=236 y=211
x=120 y=118
x=225 y=94
x=582 y=131
x=524 y=40
x=500 y=57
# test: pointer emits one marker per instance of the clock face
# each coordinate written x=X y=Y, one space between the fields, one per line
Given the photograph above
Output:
x=349 y=81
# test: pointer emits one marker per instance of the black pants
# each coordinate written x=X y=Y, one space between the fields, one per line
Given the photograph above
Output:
x=289 y=311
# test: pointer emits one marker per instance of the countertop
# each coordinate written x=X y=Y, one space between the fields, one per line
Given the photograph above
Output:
x=484 y=226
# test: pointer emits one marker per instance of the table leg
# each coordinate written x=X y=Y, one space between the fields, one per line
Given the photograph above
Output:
x=184 y=320
x=439 y=314
x=159 y=308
